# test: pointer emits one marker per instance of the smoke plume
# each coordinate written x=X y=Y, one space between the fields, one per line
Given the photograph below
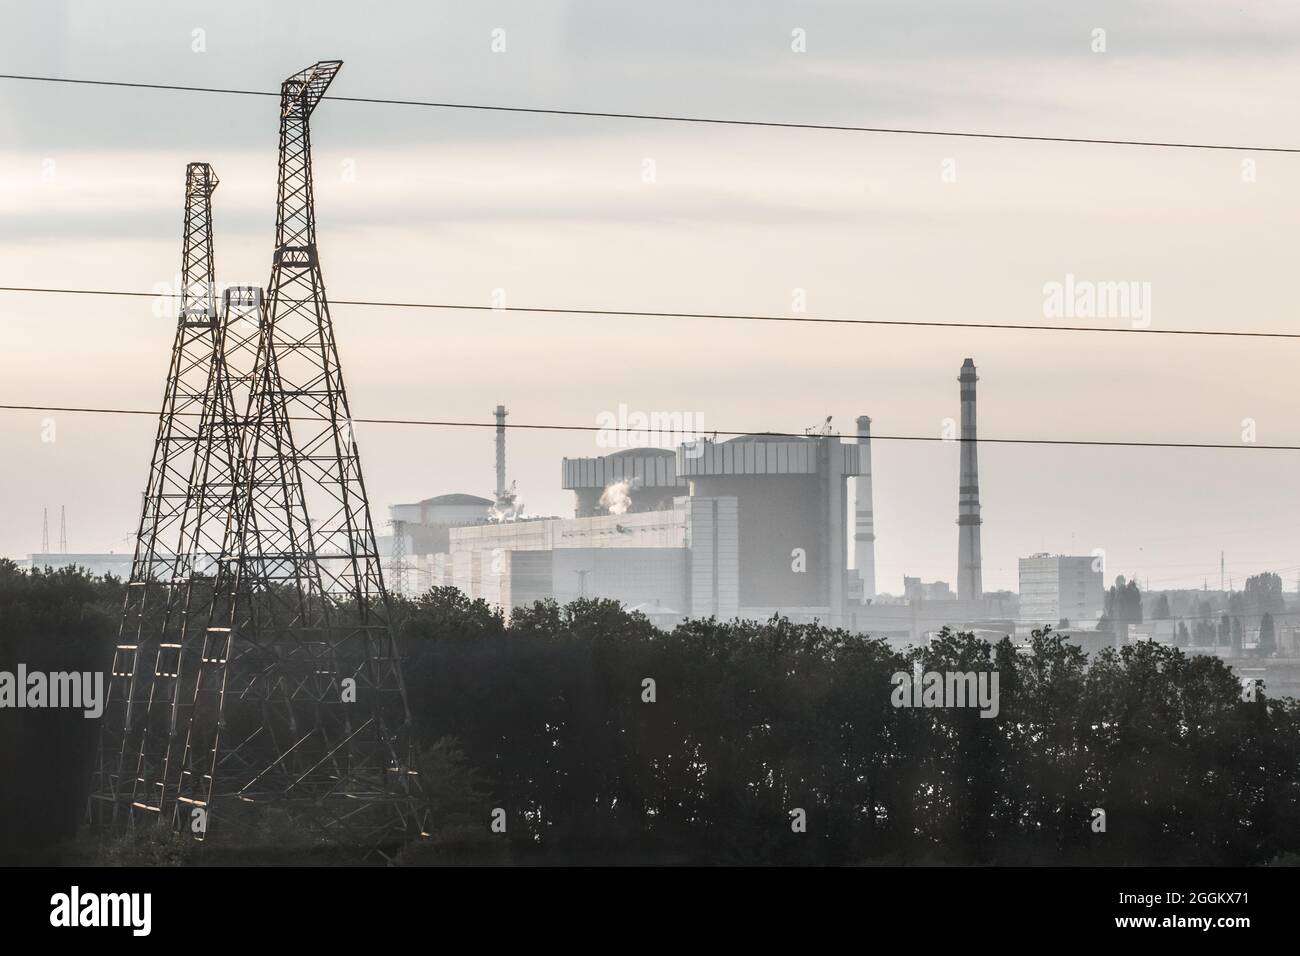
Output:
x=616 y=499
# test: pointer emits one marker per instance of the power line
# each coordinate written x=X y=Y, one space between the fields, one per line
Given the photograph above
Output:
x=712 y=432
x=721 y=316
x=664 y=117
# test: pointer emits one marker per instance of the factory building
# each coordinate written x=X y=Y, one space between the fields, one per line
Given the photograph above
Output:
x=423 y=529
x=915 y=590
x=1060 y=587
x=793 y=515
x=679 y=562
x=637 y=479
x=428 y=523
x=748 y=527
x=118 y=565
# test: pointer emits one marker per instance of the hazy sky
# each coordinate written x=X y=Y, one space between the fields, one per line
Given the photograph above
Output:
x=447 y=205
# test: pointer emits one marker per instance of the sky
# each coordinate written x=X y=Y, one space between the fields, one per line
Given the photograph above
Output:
x=448 y=205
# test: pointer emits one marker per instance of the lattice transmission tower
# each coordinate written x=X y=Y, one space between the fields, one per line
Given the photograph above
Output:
x=299 y=702
x=398 y=567
x=179 y=538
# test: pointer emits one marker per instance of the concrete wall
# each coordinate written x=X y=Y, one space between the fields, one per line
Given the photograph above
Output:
x=713 y=539
x=777 y=514
x=684 y=560
x=632 y=576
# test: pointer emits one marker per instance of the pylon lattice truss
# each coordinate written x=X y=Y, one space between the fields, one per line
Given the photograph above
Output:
x=287 y=689
x=188 y=500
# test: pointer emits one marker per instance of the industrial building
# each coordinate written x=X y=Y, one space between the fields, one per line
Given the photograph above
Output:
x=670 y=564
x=914 y=589
x=1055 y=588
x=637 y=479
x=118 y=565
x=746 y=527
x=428 y=523
x=664 y=531
x=422 y=530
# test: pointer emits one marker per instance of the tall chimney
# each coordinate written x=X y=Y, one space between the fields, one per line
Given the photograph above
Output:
x=501 y=414
x=864 y=535
x=970 y=585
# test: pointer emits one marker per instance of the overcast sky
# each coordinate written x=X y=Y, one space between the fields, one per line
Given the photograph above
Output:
x=447 y=205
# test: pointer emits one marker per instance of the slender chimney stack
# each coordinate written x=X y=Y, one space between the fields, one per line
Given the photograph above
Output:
x=970 y=585
x=501 y=414
x=864 y=535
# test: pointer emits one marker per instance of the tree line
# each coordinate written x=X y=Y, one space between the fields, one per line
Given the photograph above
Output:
x=584 y=734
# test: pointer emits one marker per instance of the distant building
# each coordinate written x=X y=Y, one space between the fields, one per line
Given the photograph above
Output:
x=426 y=528
x=749 y=527
x=641 y=479
x=1161 y=632
x=118 y=565
x=914 y=589
x=1059 y=587
x=427 y=523
x=671 y=564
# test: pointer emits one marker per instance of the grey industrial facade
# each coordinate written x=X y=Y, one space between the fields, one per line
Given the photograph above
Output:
x=748 y=527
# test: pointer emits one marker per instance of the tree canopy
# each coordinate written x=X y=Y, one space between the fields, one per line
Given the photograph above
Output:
x=599 y=738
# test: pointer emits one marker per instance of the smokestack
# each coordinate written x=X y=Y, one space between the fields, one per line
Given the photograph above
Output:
x=864 y=535
x=501 y=414
x=970 y=584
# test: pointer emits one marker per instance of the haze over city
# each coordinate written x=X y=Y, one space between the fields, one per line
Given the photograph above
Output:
x=449 y=205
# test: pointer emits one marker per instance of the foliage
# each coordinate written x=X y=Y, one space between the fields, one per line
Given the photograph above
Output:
x=1123 y=604
x=456 y=796
x=607 y=740
x=50 y=620
x=751 y=720
x=145 y=846
x=1263 y=592
x=1267 y=636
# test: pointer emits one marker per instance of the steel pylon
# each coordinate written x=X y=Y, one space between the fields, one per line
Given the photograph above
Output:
x=256 y=668
x=299 y=702
x=180 y=535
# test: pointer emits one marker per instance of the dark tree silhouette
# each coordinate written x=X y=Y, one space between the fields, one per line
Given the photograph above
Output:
x=1267 y=637
x=607 y=740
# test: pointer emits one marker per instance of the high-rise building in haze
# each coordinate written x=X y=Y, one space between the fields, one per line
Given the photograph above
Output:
x=1060 y=587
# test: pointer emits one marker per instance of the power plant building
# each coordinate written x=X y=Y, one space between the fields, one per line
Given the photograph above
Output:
x=637 y=479
x=748 y=527
x=675 y=563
